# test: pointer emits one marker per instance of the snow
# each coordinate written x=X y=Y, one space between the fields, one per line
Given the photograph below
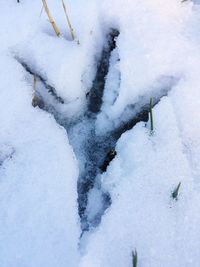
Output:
x=38 y=208
x=142 y=214
x=39 y=219
x=44 y=151
x=60 y=57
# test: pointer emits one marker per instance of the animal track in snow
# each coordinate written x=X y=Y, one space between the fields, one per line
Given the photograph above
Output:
x=95 y=150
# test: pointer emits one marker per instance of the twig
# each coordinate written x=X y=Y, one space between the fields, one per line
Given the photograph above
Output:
x=68 y=20
x=41 y=10
x=51 y=18
x=34 y=99
x=151 y=115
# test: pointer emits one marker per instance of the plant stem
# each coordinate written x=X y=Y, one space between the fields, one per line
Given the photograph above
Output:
x=68 y=20
x=34 y=99
x=41 y=10
x=176 y=191
x=51 y=18
x=134 y=258
x=151 y=115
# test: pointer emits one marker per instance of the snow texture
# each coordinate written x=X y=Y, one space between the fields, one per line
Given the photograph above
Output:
x=45 y=150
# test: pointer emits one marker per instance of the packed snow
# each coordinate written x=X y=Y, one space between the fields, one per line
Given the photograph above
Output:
x=84 y=182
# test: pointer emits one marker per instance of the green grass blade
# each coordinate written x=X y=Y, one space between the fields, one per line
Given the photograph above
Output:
x=176 y=192
x=134 y=258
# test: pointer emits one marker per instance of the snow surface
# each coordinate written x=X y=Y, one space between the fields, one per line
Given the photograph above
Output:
x=157 y=54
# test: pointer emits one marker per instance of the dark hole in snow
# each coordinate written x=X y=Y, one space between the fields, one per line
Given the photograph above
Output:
x=109 y=157
x=96 y=92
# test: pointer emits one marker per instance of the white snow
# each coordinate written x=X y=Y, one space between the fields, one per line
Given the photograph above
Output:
x=38 y=176
x=141 y=180
x=157 y=55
